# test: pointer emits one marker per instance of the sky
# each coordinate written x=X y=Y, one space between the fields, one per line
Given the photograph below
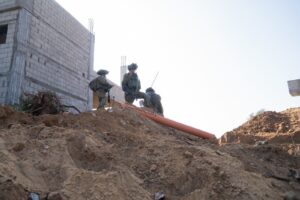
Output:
x=217 y=61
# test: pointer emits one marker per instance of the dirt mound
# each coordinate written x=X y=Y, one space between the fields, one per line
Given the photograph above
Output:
x=273 y=127
x=120 y=155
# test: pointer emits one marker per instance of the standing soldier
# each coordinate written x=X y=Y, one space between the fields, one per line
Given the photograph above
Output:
x=101 y=86
x=131 y=85
x=154 y=101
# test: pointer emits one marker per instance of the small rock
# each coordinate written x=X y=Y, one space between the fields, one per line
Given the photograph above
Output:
x=290 y=151
x=188 y=154
x=294 y=174
x=9 y=125
x=34 y=196
x=260 y=143
x=153 y=167
x=216 y=167
x=50 y=120
x=212 y=194
x=44 y=151
x=16 y=126
x=222 y=173
x=219 y=153
x=18 y=147
x=273 y=184
x=291 y=195
x=65 y=113
x=159 y=196
x=55 y=196
x=123 y=122
x=266 y=195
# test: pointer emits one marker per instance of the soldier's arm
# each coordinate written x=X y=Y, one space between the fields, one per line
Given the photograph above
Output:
x=125 y=87
x=139 y=85
x=159 y=106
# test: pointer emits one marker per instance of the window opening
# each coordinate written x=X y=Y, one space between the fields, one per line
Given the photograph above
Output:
x=3 y=33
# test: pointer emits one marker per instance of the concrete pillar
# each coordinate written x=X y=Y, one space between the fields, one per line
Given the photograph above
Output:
x=91 y=69
x=16 y=78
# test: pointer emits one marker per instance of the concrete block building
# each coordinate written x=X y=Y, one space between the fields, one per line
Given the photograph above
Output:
x=43 y=47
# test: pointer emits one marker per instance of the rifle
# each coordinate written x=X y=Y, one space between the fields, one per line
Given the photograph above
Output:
x=108 y=97
x=109 y=102
x=154 y=79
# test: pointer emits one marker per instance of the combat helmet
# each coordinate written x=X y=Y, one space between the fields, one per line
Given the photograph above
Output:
x=150 y=89
x=132 y=66
x=102 y=72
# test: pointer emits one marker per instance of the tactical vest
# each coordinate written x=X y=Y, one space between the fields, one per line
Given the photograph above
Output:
x=133 y=82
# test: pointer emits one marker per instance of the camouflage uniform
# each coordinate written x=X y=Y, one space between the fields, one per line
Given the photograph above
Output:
x=101 y=86
x=154 y=101
x=131 y=86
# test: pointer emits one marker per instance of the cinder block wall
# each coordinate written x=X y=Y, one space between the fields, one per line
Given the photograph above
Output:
x=58 y=54
x=46 y=49
x=8 y=17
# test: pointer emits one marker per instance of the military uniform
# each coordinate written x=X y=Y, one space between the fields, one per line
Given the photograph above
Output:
x=101 y=86
x=154 y=101
x=131 y=85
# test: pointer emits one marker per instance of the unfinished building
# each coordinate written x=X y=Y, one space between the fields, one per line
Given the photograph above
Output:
x=43 y=47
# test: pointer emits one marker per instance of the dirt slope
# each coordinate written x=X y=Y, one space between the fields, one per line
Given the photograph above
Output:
x=120 y=155
x=282 y=127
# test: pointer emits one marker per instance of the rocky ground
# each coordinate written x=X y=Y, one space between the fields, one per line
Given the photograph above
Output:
x=121 y=155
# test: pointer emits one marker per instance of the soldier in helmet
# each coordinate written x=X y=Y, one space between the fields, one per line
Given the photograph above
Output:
x=131 y=85
x=101 y=86
x=154 y=101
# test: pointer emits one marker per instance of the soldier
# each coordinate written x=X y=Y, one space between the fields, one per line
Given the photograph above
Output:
x=154 y=101
x=101 y=86
x=131 y=85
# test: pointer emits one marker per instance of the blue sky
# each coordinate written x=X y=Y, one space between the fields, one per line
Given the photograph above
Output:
x=218 y=61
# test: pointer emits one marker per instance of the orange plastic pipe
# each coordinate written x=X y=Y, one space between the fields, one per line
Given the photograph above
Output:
x=171 y=123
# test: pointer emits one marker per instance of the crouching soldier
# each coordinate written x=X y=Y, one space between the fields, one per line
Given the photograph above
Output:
x=101 y=86
x=153 y=101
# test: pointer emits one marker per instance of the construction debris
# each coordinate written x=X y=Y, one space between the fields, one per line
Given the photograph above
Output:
x=34 y=196
x=291 y=195
x=44 y=102
x=159 y=196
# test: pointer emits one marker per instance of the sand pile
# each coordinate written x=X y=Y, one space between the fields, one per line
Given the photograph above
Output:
x=120 y=155
x=273 y=127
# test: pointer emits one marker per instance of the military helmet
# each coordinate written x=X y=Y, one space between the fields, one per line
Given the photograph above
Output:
x=102 y=72
x=150 y=89
x=132 y=66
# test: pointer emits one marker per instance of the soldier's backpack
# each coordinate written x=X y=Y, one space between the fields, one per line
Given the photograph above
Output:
x=93 y=84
